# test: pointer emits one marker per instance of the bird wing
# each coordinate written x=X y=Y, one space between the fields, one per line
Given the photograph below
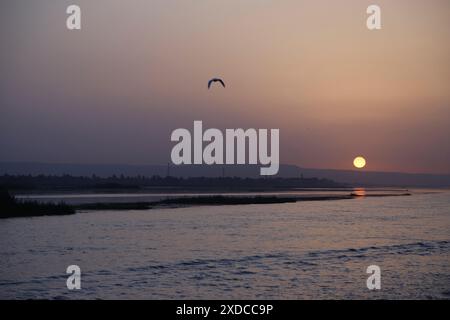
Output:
x=220 y=80
x=209 y=83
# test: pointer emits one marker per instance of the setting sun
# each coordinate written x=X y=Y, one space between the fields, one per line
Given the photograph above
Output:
x=359 y=162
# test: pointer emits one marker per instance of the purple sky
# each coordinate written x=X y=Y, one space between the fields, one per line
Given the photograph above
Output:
x=114 y=91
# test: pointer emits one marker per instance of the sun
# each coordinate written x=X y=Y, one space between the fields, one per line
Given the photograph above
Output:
x=359 y=162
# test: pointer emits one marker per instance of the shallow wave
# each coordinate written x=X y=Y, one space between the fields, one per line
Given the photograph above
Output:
x=311 y=258
x=419 y=248
x=249 y=265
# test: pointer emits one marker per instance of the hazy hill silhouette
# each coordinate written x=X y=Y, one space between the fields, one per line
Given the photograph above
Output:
x=352 y=177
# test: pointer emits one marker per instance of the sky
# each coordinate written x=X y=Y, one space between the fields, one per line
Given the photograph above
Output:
x=114 y=91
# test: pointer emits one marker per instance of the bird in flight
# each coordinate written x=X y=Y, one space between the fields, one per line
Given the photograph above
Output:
x=210 y=82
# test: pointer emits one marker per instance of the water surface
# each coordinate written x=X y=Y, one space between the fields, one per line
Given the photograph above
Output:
x=316 y=249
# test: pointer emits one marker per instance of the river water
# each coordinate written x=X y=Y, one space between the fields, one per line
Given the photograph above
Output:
x=310 y=249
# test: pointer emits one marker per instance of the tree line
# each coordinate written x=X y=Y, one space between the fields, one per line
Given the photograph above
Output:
x=39 y=182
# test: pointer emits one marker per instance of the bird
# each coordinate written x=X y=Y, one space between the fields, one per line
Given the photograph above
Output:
x=215 y=80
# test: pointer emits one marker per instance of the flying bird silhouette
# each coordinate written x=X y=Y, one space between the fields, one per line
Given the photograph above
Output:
x=210 y=82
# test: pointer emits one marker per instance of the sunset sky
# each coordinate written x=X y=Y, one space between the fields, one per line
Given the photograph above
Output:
x=114 y=91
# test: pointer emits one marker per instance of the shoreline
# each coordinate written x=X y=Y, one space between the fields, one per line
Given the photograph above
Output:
x=185 y=202
x=24 y=209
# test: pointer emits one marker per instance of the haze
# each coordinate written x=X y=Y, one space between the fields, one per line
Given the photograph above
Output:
x=114 y=91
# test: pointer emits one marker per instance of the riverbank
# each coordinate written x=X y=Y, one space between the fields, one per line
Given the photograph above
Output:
x=11 y=207
x=217 y=200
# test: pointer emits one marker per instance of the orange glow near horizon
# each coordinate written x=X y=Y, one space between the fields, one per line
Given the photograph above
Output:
x=312 y=69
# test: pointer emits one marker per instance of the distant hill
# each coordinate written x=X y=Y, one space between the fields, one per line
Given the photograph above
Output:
x=353 y=177
x=375 y=178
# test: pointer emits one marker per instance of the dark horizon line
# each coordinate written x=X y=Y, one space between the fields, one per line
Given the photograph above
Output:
x=205 y=165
